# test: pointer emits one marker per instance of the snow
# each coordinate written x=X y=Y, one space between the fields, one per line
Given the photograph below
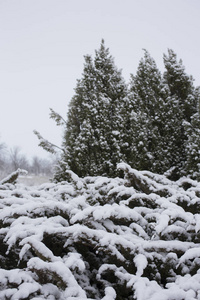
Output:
x=95 y=237
x=162 y=223
x=141 y=262
x=110 y=294
x=190 y=254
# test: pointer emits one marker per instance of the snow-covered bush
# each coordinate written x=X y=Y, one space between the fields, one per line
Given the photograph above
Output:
x=101 y=238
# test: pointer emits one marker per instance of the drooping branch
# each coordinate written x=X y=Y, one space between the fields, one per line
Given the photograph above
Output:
x=60 y=121
x=46 y=145
x=12 y=178
x=136 y=179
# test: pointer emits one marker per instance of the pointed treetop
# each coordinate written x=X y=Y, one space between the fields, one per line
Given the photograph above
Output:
x=102 y=53
x=179 y=82
x=147 y=82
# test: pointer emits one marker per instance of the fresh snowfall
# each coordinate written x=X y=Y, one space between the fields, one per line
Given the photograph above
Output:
x=135 y=237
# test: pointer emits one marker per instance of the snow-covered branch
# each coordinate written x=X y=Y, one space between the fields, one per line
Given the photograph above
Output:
x=101 y=238
x=46 y=145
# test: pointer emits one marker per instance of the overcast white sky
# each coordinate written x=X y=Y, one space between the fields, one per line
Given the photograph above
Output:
x=42 y=44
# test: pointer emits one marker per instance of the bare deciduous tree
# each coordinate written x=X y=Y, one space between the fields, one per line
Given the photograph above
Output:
x=17 y=159
x=41 y=166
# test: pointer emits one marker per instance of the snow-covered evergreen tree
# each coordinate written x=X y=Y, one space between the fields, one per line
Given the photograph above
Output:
x=153 y=126
x=160 y=107
x=94 y=130
x=192 y=163
x=150 y=118
x=192 y=129
x=180 y=85
x=183 y=93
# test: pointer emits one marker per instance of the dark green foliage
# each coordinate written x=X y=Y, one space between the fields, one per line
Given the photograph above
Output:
x=152 y=125
x=186 y=97
x=101 y=238
x=152 y=119
x=192 y=164
x=180 y=85
x=94 y=132
x=160 y=108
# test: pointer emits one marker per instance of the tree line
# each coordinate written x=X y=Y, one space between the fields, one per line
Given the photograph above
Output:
x=13 y=159
x=152 y=123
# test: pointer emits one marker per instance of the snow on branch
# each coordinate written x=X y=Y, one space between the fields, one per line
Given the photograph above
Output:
x=12 y=178
x=101 y=238
x=57 y=117
x=46 y=145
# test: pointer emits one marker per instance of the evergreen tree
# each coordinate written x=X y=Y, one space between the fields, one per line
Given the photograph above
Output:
x=94 y=131
x=153 y=126
x=149 y=118
x=184 y=94
x=192 y=164
x=180 y=85
x=160 y=107
x=192 y=129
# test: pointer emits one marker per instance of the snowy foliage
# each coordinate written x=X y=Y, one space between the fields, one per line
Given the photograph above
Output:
x=149 y=119
x=93 y=137
x=12 y=178
x=161 y=104
x=192 y=130
x=101 y=238
x=181 y=91
x=151 y=124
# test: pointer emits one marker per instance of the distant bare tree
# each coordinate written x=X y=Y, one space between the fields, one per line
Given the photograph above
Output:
x=2 y=159
x=36 y=165
x=41 y=166
x=2 y=153
x=17 y=159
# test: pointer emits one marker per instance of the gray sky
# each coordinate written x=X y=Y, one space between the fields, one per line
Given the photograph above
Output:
x=42 y=44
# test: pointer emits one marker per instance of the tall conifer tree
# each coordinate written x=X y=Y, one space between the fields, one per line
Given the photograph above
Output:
x=153 y=126
x=161 y=106
x=94 y=129
x=180 y=85
x=148 y=118
x=192 y=129
x=184 y=95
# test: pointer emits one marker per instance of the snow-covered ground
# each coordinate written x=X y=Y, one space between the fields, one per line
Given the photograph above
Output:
x=101 y=238
x=33 y=179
